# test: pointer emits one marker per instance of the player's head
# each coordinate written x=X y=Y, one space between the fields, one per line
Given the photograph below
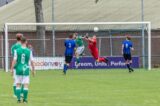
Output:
x=94 y=37
x=24 y=41
x=128 y=37
x=75 y=35
x=19 y=36
x=71 y=36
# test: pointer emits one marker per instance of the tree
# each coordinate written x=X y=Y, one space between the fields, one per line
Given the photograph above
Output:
x=40 y=29
x=96 y=1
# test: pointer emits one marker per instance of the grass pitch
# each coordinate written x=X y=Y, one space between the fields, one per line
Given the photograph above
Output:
x=87 y=88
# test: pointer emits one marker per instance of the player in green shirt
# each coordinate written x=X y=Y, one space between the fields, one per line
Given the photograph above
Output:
x=80 y=48
x=22 y=57
x=13 y=48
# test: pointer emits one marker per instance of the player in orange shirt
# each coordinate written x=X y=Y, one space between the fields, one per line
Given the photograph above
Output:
x=92 y=45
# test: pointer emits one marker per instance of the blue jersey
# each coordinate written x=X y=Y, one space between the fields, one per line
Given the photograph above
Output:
x=70 y=45
x=127 y=45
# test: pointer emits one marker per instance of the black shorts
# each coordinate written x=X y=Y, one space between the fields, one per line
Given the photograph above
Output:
x=127 y=56
x=68 y=59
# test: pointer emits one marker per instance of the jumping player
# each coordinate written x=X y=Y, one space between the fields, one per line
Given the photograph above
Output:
x=22 y=57
x=79 y=47
x=92 y=42
x=126 y=52
x=13 y=48
x=69 y=52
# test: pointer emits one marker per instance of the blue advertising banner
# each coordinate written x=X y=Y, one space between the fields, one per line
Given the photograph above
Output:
x=114 y=62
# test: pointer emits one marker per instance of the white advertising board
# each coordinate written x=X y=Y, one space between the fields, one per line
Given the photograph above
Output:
x=46 y=63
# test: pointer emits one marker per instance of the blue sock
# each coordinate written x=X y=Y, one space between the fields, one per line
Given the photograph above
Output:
x=77 y=59
x=65 y=68
x=128 y=66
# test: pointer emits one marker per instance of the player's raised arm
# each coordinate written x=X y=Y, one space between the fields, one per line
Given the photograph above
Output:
x=86 y=37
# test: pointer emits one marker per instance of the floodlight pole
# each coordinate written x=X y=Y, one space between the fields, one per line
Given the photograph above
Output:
x=143 y=36
x=53 y=29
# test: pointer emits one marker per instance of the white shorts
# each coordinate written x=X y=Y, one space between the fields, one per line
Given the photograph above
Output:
x=22 y=79
x=80 y=50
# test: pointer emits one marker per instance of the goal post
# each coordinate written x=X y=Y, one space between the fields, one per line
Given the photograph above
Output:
x=114 y=28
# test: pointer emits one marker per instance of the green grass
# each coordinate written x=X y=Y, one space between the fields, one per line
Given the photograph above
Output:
x=87 y=88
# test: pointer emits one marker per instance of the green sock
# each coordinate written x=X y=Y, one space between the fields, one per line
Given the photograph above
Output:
x=14 y=89
x=25 y=93
x=22 y=88
x=18 y=93
x=77 y=59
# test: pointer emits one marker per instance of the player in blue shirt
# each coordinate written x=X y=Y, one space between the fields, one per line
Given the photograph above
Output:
x=126 y=51
x=69 y=52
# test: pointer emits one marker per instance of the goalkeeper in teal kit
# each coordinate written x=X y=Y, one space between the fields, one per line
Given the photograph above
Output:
x=22 y=57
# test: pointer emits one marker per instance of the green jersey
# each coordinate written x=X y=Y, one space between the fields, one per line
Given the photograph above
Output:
x=79 y=41
x=23 y=56
x=14 y=47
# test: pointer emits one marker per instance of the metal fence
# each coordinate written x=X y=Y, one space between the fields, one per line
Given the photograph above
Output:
x=109 y=39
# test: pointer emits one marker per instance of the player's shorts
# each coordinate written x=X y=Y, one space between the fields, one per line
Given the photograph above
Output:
x=68 y=59
x=80 y=50
x=22 y=79
x=127 y=56
x=95 y=53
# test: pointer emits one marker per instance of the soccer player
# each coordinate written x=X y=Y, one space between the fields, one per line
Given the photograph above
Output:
x=13 y=48
x=22 y=57
x=126 y=52
x=92 y=42
x=79 y=47
x=69 y=52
